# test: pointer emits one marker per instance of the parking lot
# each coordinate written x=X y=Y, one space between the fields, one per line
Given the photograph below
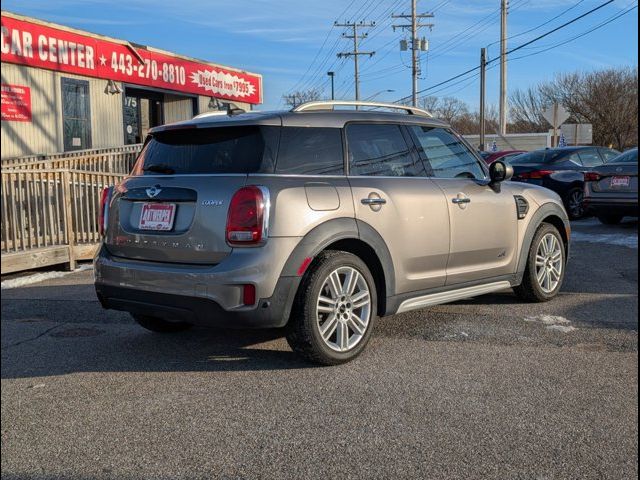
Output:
x=483 y=388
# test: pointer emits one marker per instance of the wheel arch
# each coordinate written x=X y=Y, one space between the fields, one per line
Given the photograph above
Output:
x=548 y=213
x=352 y=236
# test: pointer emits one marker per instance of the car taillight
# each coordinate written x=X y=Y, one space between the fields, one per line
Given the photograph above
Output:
x=536 y=174
x=248 y=216
x=103 y=216
x=592 y=177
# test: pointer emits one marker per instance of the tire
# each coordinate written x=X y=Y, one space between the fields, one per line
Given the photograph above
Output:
x=532 y=289
x=304 y=328
x=159 y=325
x=574 y=203
x=610 y=219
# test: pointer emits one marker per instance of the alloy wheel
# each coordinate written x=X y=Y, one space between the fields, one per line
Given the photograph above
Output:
x=549 y=263
x=343 y=309
x=575 y=203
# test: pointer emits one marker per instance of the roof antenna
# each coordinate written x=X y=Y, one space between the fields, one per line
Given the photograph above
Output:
x=233 y=109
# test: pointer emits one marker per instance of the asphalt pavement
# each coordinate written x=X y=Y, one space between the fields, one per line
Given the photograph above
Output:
x=483 y=388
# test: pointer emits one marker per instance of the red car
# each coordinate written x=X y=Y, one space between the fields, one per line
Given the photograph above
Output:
x=504 y=155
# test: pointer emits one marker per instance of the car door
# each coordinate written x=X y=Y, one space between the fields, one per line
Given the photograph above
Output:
x=483 y=220
x=393 y=194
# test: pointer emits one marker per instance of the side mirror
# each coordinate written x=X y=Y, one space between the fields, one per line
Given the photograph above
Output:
x=500 y=172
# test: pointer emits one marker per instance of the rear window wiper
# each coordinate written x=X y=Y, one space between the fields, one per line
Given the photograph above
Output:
x=159 y=168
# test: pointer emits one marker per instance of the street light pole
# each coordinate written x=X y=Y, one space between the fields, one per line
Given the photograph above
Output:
x=332 y=74
x=378 y=93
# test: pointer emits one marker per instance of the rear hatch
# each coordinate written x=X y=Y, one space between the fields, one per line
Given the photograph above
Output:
x=616 y=178
x=173 y=206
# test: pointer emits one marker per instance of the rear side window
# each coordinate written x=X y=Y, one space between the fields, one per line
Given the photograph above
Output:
x=381 y=150
x=310 y=151
x=590 y=158
x=446 y=154
x=608 y=154
x=246 y=149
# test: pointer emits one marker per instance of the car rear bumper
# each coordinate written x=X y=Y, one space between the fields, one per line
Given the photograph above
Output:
x=612 y=206
x=267 y=313
x=201 y=295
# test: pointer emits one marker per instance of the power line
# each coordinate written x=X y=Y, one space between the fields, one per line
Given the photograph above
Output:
x=593 y=29
x=539 y=37
x=539 y=26
x=355 y=53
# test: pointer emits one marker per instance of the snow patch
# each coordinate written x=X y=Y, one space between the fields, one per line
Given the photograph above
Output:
x=622 y=240
x=552 y=322
x=38 y=277
x=561 y=328
x=547 y=319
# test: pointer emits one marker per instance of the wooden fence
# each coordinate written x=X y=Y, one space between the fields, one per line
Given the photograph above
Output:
x=125 y=150
x=114 y=160
x=50 y=216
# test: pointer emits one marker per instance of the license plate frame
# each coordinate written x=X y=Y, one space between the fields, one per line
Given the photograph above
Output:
x=618 y=181
x=162 y=221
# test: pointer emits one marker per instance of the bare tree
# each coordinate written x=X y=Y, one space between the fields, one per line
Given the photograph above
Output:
x=301 y=96
x=446 y=108
x=608 y=99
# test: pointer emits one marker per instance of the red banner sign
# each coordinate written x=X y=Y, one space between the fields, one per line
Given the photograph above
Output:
x=41 y=46
x=16 y=103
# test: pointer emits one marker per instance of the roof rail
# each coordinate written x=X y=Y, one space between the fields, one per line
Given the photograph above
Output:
x=330 y=104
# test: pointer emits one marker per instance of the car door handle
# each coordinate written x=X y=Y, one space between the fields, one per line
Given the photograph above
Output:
x=373 y=201
x=461 y=200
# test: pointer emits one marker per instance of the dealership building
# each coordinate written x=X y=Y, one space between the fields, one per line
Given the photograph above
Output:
x=65 y=89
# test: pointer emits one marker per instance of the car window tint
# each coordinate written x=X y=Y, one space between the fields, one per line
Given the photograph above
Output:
x=538 y=156
x=590 y=158
x=310 y=151
x=381 y=150
x=447 y=155
x=248 y=149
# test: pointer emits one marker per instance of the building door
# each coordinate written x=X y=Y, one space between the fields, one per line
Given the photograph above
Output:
x=76 y=114
x=142 y=110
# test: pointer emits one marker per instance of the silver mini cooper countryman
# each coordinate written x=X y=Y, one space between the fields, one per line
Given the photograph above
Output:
x=320 y=220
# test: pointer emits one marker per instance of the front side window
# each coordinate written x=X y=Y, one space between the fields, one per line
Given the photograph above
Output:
x=76 y=114
x=448 y=156
x=381 y=150
x=310 y=151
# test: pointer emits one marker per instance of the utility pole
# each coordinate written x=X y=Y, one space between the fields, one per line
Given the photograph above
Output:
x=483 y=71
x=504 y=5
x=332 y=74
x=417 y=44
x=355 y=53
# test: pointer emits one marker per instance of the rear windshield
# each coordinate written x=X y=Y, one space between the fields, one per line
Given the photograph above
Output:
x=630 y=156
x=539 y=156
x=245 y=149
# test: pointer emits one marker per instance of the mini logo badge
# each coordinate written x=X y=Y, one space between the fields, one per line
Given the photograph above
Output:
x=153 y=192
x=619 y=169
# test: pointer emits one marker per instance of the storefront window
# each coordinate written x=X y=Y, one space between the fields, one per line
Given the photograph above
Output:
x=76 y=114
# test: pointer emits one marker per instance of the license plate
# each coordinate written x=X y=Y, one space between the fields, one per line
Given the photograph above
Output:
x=619 y=181
x=157 y=216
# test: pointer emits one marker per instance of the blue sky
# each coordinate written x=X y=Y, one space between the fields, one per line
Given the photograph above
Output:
x=280 y=38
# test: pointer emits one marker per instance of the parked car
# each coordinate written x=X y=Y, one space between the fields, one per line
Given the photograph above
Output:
x=561 y=170
x=319 y=220
x=504 y=155
x=611 y=190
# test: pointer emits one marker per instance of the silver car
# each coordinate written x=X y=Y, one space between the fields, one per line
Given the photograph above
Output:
x=319 y=220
